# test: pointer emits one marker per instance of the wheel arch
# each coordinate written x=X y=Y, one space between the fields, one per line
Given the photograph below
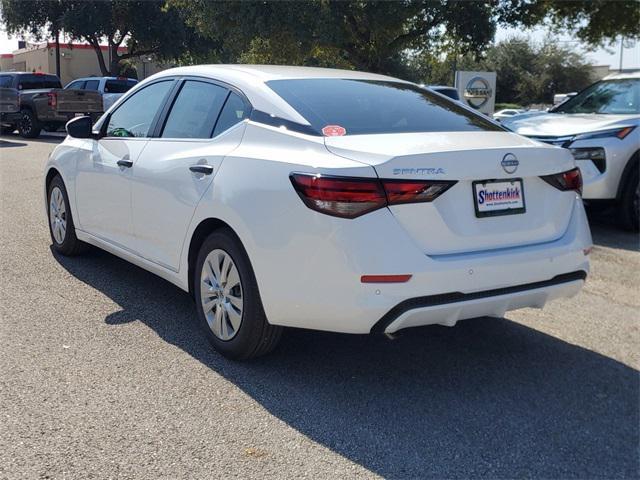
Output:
x=205 y=228
x=51 y=173
x=634 y=161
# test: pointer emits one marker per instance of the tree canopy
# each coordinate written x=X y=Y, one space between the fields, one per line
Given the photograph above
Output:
x=384 y=36
x=379 y=36
x=373 y=36
x=527 y=72
x=144 y=27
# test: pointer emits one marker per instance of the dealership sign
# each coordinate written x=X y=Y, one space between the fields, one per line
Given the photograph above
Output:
x=477 y=89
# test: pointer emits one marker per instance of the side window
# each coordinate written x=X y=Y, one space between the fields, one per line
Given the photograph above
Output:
x=78 y=84
x=195 y=110
x=92 y=85
x=235 y=110
x=5 y=81
x=135 y=116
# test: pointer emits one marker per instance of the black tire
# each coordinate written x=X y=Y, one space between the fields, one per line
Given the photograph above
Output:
x=29 y=126
x=70 y=245
x=255 y=336
x=629 y=201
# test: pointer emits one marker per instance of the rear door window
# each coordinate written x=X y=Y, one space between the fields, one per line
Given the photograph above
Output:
x=92 y=85
x=235 y=110
x=195 y=110
x=375 y=107
x=5 y=81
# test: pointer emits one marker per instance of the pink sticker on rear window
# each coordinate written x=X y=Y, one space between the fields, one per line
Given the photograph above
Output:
x=334 y=131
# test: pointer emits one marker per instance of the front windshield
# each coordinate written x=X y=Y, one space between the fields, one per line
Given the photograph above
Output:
x=615 y=97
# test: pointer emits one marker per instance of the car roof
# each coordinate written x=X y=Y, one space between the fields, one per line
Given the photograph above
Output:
x=39 y=74
x=251 y=81
x=100 y=78
x=279 y=72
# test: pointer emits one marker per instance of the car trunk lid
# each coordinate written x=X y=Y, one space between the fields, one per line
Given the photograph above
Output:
x=451 y=223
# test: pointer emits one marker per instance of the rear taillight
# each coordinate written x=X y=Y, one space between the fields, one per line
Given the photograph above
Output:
x=569 y=180
x=339 y=196
x=413 y=191
x=349 y=197
x=53 y=99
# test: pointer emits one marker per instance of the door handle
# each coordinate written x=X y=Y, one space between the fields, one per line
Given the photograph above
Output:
x=205 y=169
x=125 y=163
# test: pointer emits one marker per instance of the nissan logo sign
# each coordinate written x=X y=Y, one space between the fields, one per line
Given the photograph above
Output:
x=510 y=163
x=477 y=92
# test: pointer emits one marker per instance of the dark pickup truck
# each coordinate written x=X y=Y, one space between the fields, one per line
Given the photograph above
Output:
x=31 y=102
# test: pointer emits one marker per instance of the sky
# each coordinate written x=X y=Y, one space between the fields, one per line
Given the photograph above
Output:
x=601 y=56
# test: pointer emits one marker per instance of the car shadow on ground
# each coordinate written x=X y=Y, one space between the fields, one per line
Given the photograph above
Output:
x=488 y=398
x=15 y=140
x=9 y=144
x=607 y=233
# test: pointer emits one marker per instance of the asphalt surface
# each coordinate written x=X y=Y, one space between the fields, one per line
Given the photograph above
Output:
x=104 y=374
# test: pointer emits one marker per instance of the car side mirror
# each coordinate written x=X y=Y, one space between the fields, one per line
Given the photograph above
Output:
x=80 y=127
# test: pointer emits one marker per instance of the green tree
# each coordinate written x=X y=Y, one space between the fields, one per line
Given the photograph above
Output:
x=527 y=72
x=39 y=18
x=595 y=22
x=367 y=35
x=145 y=27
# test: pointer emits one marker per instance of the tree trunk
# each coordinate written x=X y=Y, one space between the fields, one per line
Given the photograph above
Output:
x=58 y=73
x=114 y=58
x=101 y=63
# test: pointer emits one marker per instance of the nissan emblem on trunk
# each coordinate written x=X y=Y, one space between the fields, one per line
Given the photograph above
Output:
x=510 y=163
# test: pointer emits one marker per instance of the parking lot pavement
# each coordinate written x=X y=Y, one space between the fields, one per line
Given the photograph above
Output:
x=104 y=374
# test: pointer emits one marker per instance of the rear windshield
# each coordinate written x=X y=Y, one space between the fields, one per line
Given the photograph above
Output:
x=373 y=107
x=118 y=86
x=36 y=82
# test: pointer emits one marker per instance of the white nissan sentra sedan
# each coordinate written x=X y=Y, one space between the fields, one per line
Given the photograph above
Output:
x=323 y=199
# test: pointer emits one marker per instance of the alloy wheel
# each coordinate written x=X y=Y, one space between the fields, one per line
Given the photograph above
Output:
x=221 y=294
x=57 y=215
x=26 y=124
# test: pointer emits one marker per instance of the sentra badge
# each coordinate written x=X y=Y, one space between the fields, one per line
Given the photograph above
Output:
x=418 y=171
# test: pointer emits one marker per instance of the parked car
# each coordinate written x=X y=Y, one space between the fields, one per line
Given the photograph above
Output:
x=9 y=105
x=111 y=88
x=506 y=113
x=451 y=92
x=316 y=198
x=600 y=127
x=559 y=98
x=43 y=103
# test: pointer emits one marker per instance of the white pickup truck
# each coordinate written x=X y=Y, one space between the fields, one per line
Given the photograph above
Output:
x=111 y=88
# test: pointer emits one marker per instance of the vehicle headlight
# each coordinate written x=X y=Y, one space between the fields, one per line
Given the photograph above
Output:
x=620 y=133
x=595 y=154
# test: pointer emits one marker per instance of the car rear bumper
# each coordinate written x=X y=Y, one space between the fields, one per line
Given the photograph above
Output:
x=324 y=291
x=447 y=309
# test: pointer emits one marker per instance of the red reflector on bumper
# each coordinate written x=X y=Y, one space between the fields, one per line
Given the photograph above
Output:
x=385 y=278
